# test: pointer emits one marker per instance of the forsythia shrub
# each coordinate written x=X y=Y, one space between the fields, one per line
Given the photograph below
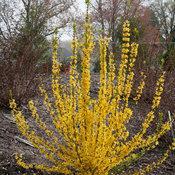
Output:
x=94 y=130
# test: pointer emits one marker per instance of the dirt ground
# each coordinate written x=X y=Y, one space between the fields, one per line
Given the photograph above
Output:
x=11 y=142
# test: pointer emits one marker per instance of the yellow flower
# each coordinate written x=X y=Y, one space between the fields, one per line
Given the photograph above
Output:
x=13 y=104
x=126 y=39
x=93 y=136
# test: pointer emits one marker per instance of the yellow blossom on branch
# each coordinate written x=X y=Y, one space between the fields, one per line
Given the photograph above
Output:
x=93 y=131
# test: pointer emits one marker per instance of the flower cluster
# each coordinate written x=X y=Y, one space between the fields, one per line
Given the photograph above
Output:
x=130 y=76
x=140 y=88
x=159 y=90
x=124 y=61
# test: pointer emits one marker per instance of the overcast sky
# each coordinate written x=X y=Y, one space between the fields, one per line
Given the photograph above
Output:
x=81 y=4
x=66 y=33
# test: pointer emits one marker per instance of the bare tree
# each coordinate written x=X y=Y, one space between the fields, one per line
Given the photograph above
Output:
x=35 y=14
x=24 y=27
x=108 y=15
x=165 y=13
